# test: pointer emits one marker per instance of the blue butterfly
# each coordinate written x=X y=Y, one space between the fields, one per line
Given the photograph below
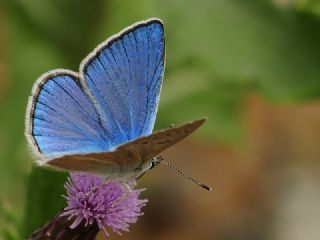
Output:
x=100 y=120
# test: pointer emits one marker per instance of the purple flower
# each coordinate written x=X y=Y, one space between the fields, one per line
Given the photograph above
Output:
x=92 y=199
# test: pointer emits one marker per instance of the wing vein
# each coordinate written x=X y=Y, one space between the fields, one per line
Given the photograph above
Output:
x=130 y=92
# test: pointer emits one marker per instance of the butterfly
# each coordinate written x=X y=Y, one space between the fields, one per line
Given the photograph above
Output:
x=100 y=120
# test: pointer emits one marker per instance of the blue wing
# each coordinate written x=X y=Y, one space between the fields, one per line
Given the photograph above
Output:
x=61 y=118
x=114 y=99
x=124 y=76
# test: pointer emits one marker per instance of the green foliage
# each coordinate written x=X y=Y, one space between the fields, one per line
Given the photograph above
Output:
x=305 y=6
x=217 y=52
x=8 y=221
x=44 y=198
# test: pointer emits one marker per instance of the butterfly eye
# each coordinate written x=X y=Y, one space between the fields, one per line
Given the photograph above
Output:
x=155 y=162
x=148 y=166
x=152 y=165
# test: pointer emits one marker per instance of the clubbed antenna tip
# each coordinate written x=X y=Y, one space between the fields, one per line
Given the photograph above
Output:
x=206 y=187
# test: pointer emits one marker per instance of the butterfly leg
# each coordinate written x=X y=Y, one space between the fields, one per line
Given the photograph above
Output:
x=126 y=186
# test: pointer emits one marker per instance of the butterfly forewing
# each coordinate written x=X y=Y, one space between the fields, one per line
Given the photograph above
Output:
x=150 y=146
x=124 y=76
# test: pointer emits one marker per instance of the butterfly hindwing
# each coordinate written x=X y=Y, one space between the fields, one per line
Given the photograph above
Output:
x=124 y=76
x=150 y=146
x=111 y=164
x=60 y=117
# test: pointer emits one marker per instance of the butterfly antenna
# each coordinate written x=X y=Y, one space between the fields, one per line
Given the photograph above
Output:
x=160 y=160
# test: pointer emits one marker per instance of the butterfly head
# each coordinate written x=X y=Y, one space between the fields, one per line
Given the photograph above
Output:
x=148 y=165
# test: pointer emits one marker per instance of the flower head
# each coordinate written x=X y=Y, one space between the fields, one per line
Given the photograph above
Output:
x=93 y=199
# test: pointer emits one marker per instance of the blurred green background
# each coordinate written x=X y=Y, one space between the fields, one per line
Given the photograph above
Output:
x=251 y=66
